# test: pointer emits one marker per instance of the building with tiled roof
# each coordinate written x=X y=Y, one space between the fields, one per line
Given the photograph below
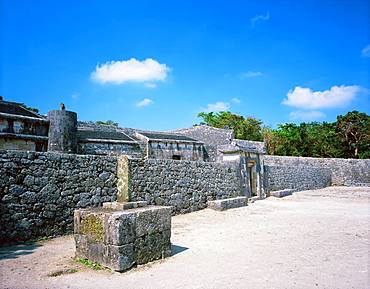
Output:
x=21 y=128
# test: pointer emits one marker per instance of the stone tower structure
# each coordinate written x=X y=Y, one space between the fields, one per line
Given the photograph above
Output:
x=62 y=131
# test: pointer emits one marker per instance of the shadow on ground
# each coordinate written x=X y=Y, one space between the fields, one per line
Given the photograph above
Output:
x=14 y=251
x=175 y=249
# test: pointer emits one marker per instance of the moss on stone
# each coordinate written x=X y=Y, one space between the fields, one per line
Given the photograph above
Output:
x=93 y=226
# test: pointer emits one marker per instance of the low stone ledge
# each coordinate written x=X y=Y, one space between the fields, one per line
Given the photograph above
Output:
x=282 y=193
x=225 y=204
x=119 y=206
x=122 y=239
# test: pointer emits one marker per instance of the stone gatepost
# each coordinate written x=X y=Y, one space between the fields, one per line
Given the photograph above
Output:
x=123 y=234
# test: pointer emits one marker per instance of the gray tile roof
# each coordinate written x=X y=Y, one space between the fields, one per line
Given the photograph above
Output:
x=102 y=135
x=166 y=136
x=17 y=109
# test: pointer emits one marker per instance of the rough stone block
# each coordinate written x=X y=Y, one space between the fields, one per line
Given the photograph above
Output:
x=121 y=239
x=282 y=193
x=225 y=204
x=120 y=258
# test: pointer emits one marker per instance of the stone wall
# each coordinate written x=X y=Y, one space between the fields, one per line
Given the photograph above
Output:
x=184 y=185
x=210 y=136
x=173 y=150
x=108 y=148
x=296 y=177
x=343 y=171
x=40 y=191
x=17 y=144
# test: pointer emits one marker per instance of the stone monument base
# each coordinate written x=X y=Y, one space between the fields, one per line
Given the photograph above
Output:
x=120 y=239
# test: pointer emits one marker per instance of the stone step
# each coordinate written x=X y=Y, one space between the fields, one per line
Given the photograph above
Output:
x=225 y=204
x=282 y=193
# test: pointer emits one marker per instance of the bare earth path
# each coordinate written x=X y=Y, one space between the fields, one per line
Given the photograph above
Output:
x=313 y=239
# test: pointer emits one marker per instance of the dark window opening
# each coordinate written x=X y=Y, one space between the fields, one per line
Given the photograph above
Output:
x=40 y=146
x=176 y=157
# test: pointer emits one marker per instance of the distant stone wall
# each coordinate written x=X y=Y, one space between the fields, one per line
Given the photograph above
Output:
x=171 y=150
x=17 y=144
x=40 y=191
x=349 y=172
x=184 y=185
x=296 y=177
x=106 y=148
x=210 y=136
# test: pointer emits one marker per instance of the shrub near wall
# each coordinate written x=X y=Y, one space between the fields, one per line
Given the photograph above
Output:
x=184 y=185
x=39 y=191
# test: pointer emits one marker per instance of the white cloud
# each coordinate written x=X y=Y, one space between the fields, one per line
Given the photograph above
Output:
x=250 y=74
x=236 y=100
x=218 y=106
x=131 y=70
x=306 y=115
x=336 y=96
x=366 y=51
x=144 y=102
x=260 y=17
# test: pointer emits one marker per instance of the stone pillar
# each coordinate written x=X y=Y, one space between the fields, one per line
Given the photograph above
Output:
x=62 y=131
x=123 y=182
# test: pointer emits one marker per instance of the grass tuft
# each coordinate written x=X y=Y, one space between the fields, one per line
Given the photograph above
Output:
x=89 y=264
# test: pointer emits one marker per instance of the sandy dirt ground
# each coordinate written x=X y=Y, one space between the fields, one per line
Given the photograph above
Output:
x=312 y=239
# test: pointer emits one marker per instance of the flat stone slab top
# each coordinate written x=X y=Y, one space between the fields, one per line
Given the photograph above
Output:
x=225 y=204
x=282 y=193
x=125 y=238
x=119 y=206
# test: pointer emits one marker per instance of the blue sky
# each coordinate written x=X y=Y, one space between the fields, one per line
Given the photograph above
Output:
x=156 y=64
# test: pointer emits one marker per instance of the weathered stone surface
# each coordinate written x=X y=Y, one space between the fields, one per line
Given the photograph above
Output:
x=124 y=179
x=184 y=185
x=343 y=171
x=153 y=221
x=282 y=193
x=295 y=177
x=39 y=191
x=153 y=246
x=121 y=239
x=225 y=204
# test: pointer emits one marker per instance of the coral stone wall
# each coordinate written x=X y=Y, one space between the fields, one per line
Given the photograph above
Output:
x=111 y=149
x=296 y=177
x=343 y=171
x=184 y=185
x=40 y=191
x=167 y=150
x=210 y=136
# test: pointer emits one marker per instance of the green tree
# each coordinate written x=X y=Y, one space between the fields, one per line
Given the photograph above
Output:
x=108 y=122
x=354 y=131
x=30 y=108
x=348 y=137
x=306 y=139
x=244 y=128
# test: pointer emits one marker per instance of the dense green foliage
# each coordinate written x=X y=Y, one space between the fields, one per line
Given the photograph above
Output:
x=30 y=108
x=348 y=137
x=108 y=122
x=244 y=128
